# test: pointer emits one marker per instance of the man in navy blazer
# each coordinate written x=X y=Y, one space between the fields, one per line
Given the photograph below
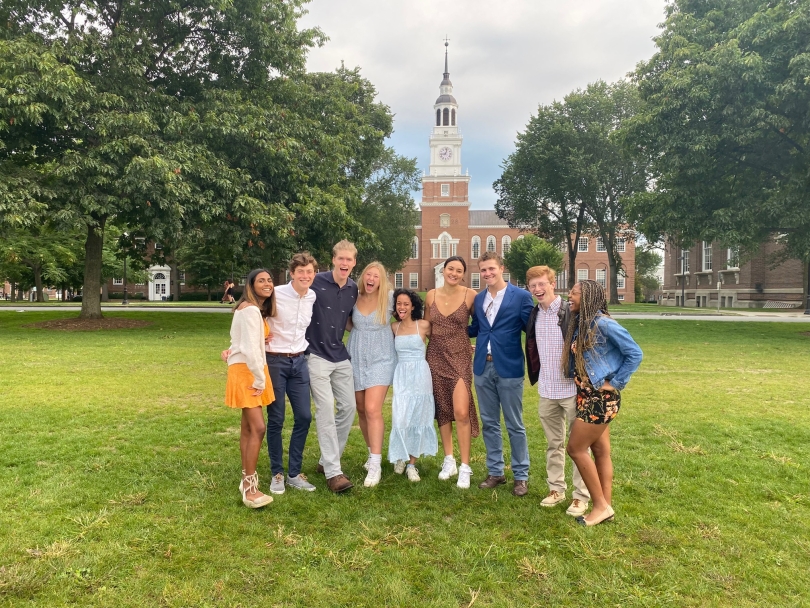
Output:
x=500 y=314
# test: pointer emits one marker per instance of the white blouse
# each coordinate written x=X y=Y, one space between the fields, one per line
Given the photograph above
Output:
x=247 y=342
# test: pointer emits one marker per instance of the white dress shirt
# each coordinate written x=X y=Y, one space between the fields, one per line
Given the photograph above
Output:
x=293 y=315
x=491 y=308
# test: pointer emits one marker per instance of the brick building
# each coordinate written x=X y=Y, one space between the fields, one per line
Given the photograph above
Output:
x=693 y=275
x=449 y=227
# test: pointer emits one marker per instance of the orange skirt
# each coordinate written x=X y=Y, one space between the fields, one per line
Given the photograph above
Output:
x=238 y=391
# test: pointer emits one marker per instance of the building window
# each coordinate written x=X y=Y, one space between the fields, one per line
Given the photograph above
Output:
x=582 y=274
x=732 y=257
x=398 y=280
x=582 y=244
x=506 y=244
x=446 y=117
x=475 y=280
x=118 y=281
x=444 y=219
x=507 y=277
x=413 y=280
x=521 y=236
x=621 y=297
x=600 y=245
x=452 y=118
x=438 y=118
x=621 y=245
x=601 y=277
x=561 y=282
x=476 y=247
x=491 y=244
x=453 y=248
x=707 y=256
x=182 y=276
x=435 y=251
x=415 y=248
x=445 y=247
x=684 y=261
x=287 y=276
x=159 y=276
x=445 y=189
x=158 y=246
x=620 y=280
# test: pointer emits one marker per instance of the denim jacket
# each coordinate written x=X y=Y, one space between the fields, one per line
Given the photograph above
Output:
x=614 y=357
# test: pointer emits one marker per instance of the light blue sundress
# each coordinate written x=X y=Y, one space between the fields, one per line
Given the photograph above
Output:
x=371 y=349
x=413 y=410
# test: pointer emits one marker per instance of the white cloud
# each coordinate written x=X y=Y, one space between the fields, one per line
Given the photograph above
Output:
x=505 y=59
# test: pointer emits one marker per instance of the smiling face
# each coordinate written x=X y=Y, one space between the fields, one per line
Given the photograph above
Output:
x=453 y=272
x=302 y=277
x=491 y=272
x=372 y=280
x=542 y=289
x=343 y=263
x=263 y=286
x=574 y=297
x=404 y=307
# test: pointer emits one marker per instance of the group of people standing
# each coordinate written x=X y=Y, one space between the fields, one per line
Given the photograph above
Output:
x=288 y=340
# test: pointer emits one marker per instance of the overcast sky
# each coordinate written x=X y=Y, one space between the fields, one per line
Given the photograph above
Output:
x=506 y=58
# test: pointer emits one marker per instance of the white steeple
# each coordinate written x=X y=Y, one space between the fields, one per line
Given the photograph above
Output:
x=445 y=141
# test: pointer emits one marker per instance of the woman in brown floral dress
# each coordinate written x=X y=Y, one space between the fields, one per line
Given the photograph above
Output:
x=449 y=355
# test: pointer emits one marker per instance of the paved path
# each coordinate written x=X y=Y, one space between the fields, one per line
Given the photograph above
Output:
x=741 y=316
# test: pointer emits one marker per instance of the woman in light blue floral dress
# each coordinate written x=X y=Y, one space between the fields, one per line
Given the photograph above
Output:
x=413 y=409
x=371 y=350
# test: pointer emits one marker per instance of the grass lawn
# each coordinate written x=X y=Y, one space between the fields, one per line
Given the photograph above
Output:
x=119 y=469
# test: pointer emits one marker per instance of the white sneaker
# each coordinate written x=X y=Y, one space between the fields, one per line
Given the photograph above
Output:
x=399 y=467
x=373 y=477
x=413 y=474
x=277 y=484
x=577 y=508
x=448 y=468
x=464 y=474
x=554 y=498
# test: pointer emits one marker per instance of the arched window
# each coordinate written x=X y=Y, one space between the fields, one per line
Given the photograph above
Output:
x=453 y=118
x=159 y=276
x=445 y=247
x=438 y=118
x=446 y=117
x=491 y=244
x=476 y=247
x=506 y=244
x=521 y=236
x=415 y=248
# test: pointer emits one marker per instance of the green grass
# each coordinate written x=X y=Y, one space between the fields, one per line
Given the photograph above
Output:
x=119 y=468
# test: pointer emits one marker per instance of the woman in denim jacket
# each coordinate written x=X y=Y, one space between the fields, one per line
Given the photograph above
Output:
x=601 y=356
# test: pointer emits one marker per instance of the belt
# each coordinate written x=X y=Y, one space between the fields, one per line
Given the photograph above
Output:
x=288 y=355
x=489 y=357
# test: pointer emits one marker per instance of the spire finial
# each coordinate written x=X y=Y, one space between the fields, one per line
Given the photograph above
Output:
x=446 y=44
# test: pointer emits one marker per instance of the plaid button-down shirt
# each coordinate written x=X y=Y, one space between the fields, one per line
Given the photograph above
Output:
x=552 y=384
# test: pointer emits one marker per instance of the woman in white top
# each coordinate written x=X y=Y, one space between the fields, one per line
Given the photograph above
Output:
x=249 y=387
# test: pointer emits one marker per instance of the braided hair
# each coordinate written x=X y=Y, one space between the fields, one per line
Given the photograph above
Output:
x=592 y=302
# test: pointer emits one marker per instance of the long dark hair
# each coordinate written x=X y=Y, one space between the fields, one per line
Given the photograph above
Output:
x=268 y=308
x=456 y=258
x=416 y=302
x=591 y=303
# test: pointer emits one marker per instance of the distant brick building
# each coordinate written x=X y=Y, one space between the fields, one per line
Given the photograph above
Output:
x=449 y=227
x=694 y=273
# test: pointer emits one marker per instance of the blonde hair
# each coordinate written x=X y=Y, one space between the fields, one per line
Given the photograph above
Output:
x=383 y=292
x=538 y=271
x=344 y=245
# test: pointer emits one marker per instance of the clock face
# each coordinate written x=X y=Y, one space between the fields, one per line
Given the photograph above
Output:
x=445 y=153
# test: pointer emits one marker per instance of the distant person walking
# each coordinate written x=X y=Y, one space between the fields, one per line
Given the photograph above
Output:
x=371 y=349
x=248 y=386
x=330 y=371
x=501 y=313
x=601 y=355
x=227 y=296
x=449 y=354
x=558 y=404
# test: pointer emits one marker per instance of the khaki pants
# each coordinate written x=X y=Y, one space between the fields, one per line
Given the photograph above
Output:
x=332 y=387
x=557 y=416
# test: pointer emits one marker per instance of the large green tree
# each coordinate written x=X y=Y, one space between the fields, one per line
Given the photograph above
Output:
x=531 y=251
x=726 y=121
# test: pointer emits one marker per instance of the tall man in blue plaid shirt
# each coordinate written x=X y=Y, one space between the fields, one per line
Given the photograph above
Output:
x=558 y=401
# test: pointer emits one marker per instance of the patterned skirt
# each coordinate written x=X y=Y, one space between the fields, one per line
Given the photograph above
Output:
x=596 y=406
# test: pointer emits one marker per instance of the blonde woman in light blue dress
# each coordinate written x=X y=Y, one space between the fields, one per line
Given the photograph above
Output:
x=413 y=408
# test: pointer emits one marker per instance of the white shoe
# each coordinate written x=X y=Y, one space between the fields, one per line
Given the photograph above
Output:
x=373 y=477
x=464 y=474
x=448 y=468
x=251 y=484
x=399 y=467
x=577 y=508
x=554 y=498
x=413 y=474
x=367 y=463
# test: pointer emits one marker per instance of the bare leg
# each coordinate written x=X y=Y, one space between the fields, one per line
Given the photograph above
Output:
x=604 y=464
x=584 y=436
x=446 y=432
x=375 y=426
x=251 y=441
x=412 y=460
x=461 y=412
x=360 y=399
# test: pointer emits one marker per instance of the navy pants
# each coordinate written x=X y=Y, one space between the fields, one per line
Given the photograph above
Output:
x=290 y=376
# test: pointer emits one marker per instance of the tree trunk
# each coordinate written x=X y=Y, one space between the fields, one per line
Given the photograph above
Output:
x=613 y=265
x=105 y=292
x=174 y=287
x=572 y=262
x=91 y=291
x=13 y=291
x=209 y=292
x=64 y=293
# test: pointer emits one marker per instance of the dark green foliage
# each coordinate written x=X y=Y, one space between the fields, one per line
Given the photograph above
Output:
x=531 y=251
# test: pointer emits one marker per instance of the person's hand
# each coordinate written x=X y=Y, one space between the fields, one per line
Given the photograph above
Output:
x=607 y=386
x=268 y=338
x=256 y=391
x=225 y=354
